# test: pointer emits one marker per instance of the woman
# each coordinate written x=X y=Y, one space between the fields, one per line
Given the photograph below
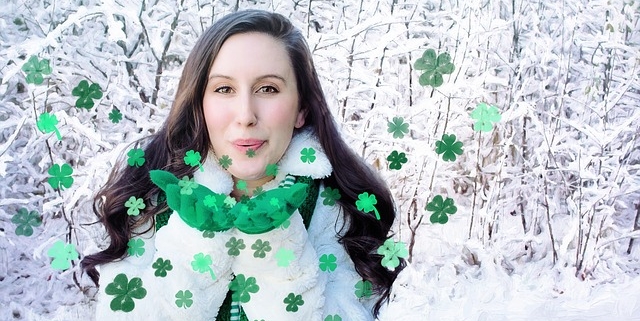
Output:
x=250 y=103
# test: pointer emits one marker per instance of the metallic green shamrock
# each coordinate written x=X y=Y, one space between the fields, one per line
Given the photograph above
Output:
x=434 y=67
x=125 y=291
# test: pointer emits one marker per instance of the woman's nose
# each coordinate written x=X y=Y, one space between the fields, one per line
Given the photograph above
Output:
x=246 y=113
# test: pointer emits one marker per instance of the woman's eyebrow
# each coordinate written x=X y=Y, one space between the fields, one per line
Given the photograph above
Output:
x=257 y=79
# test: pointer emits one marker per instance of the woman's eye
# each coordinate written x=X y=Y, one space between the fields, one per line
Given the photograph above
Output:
x=268 y=89
x=223 y=90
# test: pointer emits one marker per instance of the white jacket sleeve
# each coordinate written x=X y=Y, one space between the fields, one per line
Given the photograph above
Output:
x=290 y=286
x=340 y=290
x=176 y=274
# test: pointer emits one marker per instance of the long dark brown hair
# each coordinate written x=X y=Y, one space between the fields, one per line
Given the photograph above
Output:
x=185 y=129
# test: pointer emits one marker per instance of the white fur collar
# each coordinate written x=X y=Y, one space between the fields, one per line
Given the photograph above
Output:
x=219 y=180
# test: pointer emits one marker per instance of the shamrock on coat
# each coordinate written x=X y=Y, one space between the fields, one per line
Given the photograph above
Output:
x=330 y=196
x=135 y=157
x=293 y=302
x=284 y=257
x=242 y=288
x=364 y=289
x=261 y=248
x=162 y=266
x=308 y=155
x=125 y=291
x=434 y=67
x=334 y=317
x=25 y=221
x=328 y=263
x=184 y=299
x=135 y=247
x=235 y=245
x=202 y=263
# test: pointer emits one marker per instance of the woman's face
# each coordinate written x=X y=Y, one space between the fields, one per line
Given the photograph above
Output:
x=251 y=104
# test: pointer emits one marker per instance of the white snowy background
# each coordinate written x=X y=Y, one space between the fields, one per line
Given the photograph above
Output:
x=547 y=201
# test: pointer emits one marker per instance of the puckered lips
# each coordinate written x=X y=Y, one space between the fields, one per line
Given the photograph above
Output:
x=244 y=145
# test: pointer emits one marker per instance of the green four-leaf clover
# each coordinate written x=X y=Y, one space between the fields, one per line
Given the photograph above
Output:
x=60 y=176
x=293 y=301
x=86 y=94
x=225 y=161
x=115 y=115
x=328 y=263
x=334 y=317
x=398 y=127
x=26 y=221
x=135 y=247
x=434 y=67
x=261 y=248
x=184 y=299
x=392 y=252
x=272 y=170
x=440 y=208
x=35 y=69
x=308 y=155
x=250 y=153
x=162 y=266
x=448 y=147
x=242 y=287
x=396 y=159
x=125 y=291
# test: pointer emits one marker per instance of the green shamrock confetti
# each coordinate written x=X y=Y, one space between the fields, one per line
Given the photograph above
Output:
x=434 y=67
x=242 y=287
x=330 y=196
x=364 y=289
x=162 y=266
x=115 y=115
x=134 y=205
x=86 y=94
x=328 y=263
x=225 y=161
x=208 y=234
x=261 y=248
x=259 y=190
x=62 y=254
x=398 y=127
x=183 y=299
x=235 y=245
x=293 y=301
x=485 y=116
x=392 y=252
x=396 y=160
x=308 y=155
x=26 y=221
x=448 y=147
x=47 y=124
x=35 y=69
x=135 y=157
x=251 y=153
x=60 y=176
x=187 y=185
x=334 y=317
x=440 y=208
x=284 y=257
x=366 y=204
x=135 y=247
x=272 y=170
x=125 y=291
x=192 y=158
x=202 y=263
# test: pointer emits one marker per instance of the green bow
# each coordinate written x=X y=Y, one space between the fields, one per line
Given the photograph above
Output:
x=208 y=211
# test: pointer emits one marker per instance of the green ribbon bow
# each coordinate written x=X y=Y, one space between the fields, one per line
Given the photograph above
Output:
x=208 y=211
